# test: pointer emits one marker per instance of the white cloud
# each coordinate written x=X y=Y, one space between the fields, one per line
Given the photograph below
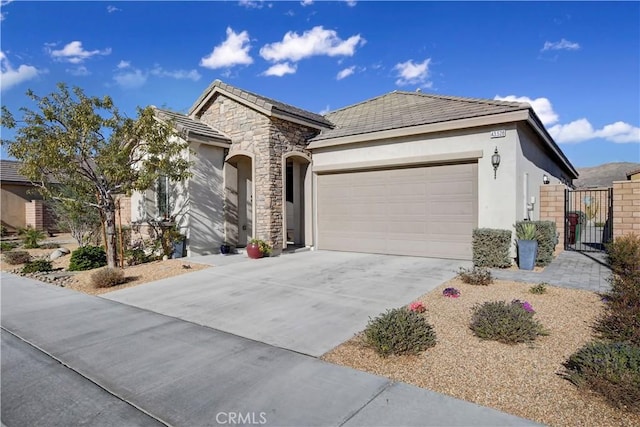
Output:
x=131 y=79
x=542 y=107
x=249 y=4
x=281 y=69
x=325 y=110
x=411 y=73
x=10 y=77
x=233 y=51
x=75 y=53
x=578 y=130
x=177 y=74
x=3 y=15
x=123 y=64
x=79 y=71
x=316 y=41
x=346 y=72
x=351 y=3
x=561 y=45
x=112 y=9
x=306 y=2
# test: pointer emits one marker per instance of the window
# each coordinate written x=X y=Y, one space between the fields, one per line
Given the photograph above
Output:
x=162 y=197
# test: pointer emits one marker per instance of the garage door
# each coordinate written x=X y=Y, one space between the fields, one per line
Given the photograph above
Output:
x=422 y=211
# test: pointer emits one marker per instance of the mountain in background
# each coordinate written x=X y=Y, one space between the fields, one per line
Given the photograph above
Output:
x=604 y=175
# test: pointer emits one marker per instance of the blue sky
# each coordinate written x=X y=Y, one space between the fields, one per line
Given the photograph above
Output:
x=577 y=63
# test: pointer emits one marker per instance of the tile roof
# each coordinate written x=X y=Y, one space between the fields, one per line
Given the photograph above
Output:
x=404 y=109
x=185 y=123
x=265 y=103
x=9 y=172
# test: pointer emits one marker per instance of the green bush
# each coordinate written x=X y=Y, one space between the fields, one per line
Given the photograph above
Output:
x=491 y=248
x=30 y=237
x=3 y=230
x=7 y=246
x=624 y=254
x=37 y=266
x=610 y=369
x=538 y=289
x=620 y=321
x=547 y=237
x=16 y=257
x=475 y=276
x=135 y=256
x=509 y=323
x=107 y=277
x=87 y=258
x=399 y=331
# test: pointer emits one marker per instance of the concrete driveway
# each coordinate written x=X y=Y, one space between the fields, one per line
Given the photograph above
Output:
x=308 y=302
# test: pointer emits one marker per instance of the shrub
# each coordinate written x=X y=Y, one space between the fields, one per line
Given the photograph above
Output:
x=610 y=369
x=265 y=248
x=538 y=289
x=509 y=323
x=621 y=319
x=624 y=254
x=16 y=257
x=135 y=256
x=37 y=266
x=399 y=331
x=31 y=237
x=3 y=230
x=7 y=246
x=107 y=277
x=87 y=258
x=491 y=248
x=475 y=276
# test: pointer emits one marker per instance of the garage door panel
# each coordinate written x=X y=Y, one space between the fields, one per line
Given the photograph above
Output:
x=426 y=211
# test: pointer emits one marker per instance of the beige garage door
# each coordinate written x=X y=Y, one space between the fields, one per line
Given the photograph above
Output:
x=423 y=211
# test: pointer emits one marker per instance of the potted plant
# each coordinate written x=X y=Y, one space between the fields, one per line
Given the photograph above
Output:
x=258 y=248
x=527 y=245
x=225 y=248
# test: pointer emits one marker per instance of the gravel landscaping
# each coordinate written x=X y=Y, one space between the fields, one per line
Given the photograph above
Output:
x=520 y=379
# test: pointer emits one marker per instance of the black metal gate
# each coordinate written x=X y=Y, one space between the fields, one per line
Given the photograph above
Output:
x=588 y=219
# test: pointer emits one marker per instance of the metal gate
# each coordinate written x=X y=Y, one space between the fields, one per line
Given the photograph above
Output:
x=588 y=219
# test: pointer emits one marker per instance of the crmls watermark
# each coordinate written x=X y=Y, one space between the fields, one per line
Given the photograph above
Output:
x=244 y=418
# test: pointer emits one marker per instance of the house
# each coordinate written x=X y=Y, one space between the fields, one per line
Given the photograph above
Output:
x=405 y=173
x=21 y=203
x=634 y=175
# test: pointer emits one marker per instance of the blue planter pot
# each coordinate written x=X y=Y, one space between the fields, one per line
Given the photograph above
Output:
x=178 y=249
x=527 y=253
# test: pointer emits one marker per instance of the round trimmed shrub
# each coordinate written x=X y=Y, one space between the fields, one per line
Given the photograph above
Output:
x=16 y=257
x=37 y=266
x=107 y=277
x=399 y=331
x=509 y=323
x=609 y=369
x=87 y=258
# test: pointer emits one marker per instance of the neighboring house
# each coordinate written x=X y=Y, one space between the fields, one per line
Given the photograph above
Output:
x=405 y=173
x=634 y=175
x=16 y=196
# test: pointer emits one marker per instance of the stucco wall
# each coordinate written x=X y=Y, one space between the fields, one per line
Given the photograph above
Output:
x=14 y=197
x=496 y=197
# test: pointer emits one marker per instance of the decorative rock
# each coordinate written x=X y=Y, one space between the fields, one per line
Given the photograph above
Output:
x=58 y=253
x=65 y=250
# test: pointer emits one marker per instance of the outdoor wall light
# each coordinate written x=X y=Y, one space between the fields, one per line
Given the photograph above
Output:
x=495 y=161
x=545 y=179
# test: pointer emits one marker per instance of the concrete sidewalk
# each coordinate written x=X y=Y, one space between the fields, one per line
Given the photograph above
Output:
x=578 y=270
x=184 y=374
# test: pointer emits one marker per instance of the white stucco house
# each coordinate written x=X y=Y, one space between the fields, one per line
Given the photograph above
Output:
x=404 y=173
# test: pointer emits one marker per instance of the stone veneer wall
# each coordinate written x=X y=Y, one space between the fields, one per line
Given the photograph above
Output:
x=268 y=139
x=626 y=208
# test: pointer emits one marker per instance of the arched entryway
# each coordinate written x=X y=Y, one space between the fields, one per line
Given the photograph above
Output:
x=297 y=199
x=239 y=197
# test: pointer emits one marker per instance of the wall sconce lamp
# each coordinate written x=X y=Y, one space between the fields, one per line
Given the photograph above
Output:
x=495 y=162
x=545 y=179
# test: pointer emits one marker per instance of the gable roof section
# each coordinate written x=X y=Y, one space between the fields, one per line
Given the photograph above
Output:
x=187 y=125
x=405 y=109
x=9 y=172
x=267 y=106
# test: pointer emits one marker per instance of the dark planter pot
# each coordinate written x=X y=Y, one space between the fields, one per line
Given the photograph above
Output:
x=225 y=249
x=253 y=251
x=178 y=249
x=527 y=253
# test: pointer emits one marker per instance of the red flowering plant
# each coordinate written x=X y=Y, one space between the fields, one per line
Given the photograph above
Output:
x=417 y=306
